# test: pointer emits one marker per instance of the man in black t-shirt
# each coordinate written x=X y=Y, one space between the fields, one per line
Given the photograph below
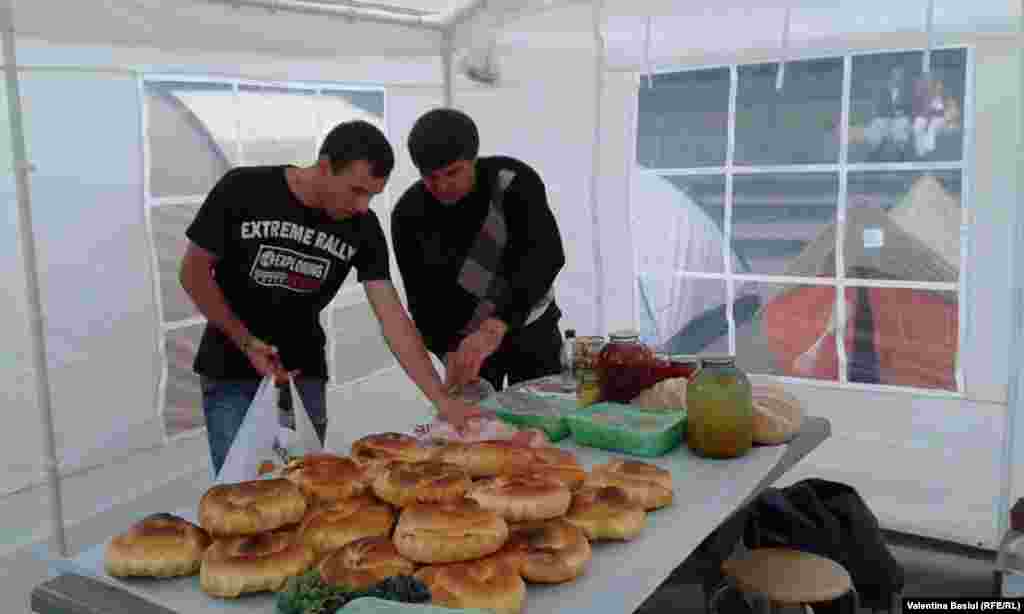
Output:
x=478 y=249
x=268 y=251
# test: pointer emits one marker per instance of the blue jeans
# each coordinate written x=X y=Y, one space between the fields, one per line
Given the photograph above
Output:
x=226 y=401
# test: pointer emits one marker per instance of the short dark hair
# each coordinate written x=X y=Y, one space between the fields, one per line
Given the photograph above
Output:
x=440 y=137
x=358 y=140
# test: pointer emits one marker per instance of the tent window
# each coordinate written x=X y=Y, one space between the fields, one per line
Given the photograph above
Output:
x=197 y=129
x=773 y=220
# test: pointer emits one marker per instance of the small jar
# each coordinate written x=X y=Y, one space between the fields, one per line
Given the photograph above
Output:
x=625 y=366
x=719 y=410
x=588 y=388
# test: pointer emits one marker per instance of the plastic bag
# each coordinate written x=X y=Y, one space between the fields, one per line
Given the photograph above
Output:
x=256 y=443
x=485 y=428
x=262 y=446
x=306 y=440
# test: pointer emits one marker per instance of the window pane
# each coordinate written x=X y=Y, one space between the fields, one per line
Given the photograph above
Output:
x=896 y=115
x=786 y=329
x=795 y=125
x=678 y=226
x=190 y=132
x=784 y=224
x=683 y=315
x=683 y=119
x=904 y=226
x=169 y=224
x=278 y=125
x=183 y=399
x=360 y=348
x=902 y=337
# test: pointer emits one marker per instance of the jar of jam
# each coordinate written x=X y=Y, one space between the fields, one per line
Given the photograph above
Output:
x=720 y=415
x=625 y=366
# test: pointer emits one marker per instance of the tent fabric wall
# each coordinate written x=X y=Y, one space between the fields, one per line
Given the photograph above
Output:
x=90 y=234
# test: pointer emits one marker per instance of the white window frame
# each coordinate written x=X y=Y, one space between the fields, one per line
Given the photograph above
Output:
x=841 y=168
x=346 y=297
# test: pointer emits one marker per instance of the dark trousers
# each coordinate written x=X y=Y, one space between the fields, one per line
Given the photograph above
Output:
x=527 y=353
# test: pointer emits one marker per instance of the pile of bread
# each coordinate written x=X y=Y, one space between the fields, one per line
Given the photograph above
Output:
x=474 y=521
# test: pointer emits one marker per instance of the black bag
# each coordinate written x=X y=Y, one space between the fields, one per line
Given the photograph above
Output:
x=831 y=520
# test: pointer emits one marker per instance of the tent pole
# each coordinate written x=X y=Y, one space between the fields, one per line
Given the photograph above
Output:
x=337 y=10
x=447 y=51
x=595 y=171
x=28 y=256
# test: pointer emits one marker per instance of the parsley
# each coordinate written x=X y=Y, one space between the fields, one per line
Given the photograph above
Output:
x=307 y=594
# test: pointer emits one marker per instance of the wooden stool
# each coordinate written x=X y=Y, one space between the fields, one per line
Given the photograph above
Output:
x=781 y=576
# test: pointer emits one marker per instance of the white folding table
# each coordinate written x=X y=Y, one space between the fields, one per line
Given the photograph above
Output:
x=619 y=578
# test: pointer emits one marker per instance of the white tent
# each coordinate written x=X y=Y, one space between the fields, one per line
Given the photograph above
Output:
x=566 y=100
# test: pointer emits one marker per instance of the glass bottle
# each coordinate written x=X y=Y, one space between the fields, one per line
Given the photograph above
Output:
x=588 y=385
x=568 y=359
x=719 y=410
x=625 y=366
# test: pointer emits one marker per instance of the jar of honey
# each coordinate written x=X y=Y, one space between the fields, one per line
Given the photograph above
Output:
x=720 y=415
x=625 y=366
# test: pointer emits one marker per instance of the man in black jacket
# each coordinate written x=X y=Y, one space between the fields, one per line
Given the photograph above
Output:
x=478 y=249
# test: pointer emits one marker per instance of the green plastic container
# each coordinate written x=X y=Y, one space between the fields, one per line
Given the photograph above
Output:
x=624 y=428
x=523 y=409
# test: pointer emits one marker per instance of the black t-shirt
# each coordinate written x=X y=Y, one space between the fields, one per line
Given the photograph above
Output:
x=279 y=264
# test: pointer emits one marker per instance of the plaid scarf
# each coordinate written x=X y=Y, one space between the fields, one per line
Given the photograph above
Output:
x=480 y=274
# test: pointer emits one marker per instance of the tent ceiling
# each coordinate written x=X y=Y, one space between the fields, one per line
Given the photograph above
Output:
x=679 y=29
x=688 y=29
x=197 y=26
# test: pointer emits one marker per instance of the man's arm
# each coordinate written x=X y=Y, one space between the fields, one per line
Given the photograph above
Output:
x=407 y=346
x=196 y=276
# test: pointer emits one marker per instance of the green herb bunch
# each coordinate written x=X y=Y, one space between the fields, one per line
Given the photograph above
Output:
x=308 y=594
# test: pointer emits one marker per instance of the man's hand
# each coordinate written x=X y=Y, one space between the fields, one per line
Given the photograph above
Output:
x=265 y=359
x=458 y=412
x=463 y=365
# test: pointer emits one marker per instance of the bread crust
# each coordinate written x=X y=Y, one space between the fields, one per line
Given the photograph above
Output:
x=488 y=583
x=375 y=452
x=402 y=484
x=364 y=562
x=527 y=496
x=606 y=513
x=327 y=477
x=547 y=551
x=646 y=484
x=448 y=533
x=483 y=459
x=158 y=546
x=253 y=563
x=250 y=508
x=338 y=523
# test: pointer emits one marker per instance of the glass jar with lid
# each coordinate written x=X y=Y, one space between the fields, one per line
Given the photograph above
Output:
x=719 y=409
x=625 y=366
